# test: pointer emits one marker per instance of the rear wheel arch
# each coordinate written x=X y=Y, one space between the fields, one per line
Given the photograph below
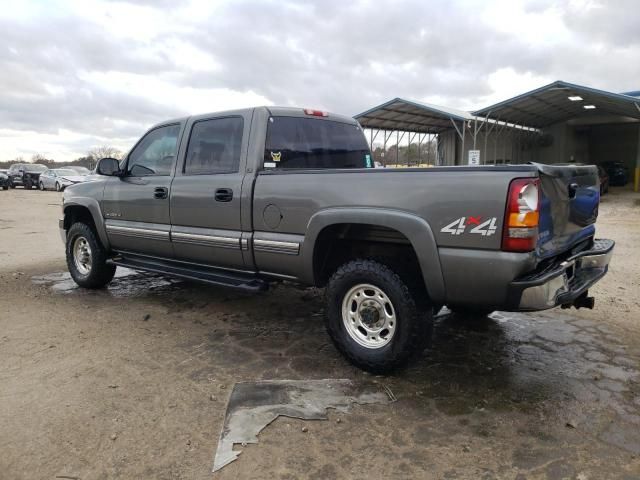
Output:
x=330 y=226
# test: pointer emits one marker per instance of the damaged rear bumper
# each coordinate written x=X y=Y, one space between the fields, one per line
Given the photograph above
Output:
x=563 y=284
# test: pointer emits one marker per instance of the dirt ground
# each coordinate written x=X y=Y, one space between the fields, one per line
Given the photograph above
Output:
x=132 y=381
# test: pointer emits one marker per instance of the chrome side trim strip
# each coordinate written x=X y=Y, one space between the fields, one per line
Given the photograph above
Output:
x=205 y=240
x=274 y=246
x=138 y=232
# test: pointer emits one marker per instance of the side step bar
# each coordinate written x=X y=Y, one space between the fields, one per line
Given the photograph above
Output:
x=213 y=276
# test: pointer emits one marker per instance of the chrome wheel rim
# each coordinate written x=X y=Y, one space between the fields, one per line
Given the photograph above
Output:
x=368 y=316
x=82 y=255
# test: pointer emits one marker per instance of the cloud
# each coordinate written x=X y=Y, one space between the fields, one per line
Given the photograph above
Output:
x=80 y=72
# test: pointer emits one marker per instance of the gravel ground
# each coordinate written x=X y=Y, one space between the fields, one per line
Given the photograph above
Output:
x=132 y=381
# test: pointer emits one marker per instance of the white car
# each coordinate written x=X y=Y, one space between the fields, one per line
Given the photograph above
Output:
x=59 y=178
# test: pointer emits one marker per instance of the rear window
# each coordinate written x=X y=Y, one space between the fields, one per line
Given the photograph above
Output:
x=294 y=142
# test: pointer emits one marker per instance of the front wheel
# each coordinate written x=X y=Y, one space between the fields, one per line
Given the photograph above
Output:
x=57 y=187
x=41 y=186
x=87 y=258
x=373 y=318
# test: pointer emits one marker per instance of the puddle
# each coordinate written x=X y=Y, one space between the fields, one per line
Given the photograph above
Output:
x=126 y=283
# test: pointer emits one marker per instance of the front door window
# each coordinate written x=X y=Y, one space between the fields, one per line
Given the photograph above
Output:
x=156 y=152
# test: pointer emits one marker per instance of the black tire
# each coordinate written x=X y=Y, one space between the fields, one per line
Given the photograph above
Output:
x=42 y=186
x=100 y=273
x=12 y=185
x=28 y=185
x=58 y=189
x=413 y=325
x=5 y=187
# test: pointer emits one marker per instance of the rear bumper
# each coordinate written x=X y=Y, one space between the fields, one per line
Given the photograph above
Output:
x=564 y=283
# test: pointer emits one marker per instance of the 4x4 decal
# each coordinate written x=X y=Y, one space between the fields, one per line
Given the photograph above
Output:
x=459 y=226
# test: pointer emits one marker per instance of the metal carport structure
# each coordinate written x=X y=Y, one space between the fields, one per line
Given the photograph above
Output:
x=423 y=121
x=413 y=119
x=561 y=102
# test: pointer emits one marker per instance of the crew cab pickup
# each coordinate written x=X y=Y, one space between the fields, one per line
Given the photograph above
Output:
x=248 y=197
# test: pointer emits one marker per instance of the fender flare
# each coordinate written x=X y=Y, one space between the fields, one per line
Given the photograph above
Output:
x=93 y=207
x=416 y=229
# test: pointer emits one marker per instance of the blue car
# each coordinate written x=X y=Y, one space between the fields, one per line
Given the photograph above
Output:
x=618 y=173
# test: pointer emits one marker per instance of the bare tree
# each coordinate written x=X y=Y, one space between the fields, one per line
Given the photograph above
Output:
x=103 y=151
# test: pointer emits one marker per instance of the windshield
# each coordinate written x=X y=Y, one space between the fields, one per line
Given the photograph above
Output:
x=65 y=172
x=294 y=142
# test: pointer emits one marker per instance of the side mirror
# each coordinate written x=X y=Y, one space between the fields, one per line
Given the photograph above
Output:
x=108 y=166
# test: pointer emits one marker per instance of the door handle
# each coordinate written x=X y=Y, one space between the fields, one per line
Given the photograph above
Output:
x=160 y=192
x=224 y=195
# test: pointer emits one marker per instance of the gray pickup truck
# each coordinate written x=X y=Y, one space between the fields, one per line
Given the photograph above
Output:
x=244 y=198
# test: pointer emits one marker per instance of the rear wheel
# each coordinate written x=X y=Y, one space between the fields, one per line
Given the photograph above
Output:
x=372 y=317
x=28 y=184
x=87 y=258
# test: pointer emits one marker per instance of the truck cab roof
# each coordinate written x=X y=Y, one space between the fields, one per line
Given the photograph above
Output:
x=272 y=110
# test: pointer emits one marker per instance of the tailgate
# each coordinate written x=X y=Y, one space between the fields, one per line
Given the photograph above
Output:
x=569 y=207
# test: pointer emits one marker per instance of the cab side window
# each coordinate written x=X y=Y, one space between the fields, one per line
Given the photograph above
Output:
x=214 y=146
x=156 y=152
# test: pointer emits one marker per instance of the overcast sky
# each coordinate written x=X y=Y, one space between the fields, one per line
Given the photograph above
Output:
x=77 y=74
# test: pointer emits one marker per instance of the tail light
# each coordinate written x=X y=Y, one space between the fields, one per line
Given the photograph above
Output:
x=522 y=216
x=315 y=113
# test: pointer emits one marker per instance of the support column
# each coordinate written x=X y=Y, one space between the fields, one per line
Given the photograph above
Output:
x=464 y=128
